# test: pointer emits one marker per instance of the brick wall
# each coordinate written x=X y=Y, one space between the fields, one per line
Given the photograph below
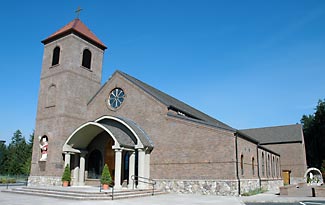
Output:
x=293 y=158
x=183 y=149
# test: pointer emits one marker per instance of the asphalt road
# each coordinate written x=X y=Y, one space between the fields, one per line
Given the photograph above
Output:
x=296 y=203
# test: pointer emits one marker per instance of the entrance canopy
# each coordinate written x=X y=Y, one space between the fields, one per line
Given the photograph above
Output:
x=124 y=132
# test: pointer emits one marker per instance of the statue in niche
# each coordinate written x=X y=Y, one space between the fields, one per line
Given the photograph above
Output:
x=43 y=144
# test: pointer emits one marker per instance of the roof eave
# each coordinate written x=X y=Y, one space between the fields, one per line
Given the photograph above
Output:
x=247 y=137
x=77 y=33
x=285 y=142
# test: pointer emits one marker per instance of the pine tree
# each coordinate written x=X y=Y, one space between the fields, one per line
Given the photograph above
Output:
x=66 y=176
x=314 y=135
x=106 y=176
x=3 y=155
x=17 y=154
x=27 y=164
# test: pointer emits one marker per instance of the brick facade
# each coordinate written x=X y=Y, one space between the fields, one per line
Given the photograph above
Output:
x=293 y=158
x=189 y=154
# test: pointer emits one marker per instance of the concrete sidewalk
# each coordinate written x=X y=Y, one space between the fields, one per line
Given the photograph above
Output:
x=165 y=199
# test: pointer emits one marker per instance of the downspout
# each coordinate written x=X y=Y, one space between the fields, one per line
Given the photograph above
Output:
x=237 y=173
x=258 y=167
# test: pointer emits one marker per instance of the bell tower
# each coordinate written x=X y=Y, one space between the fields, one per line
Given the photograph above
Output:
x=70 y=77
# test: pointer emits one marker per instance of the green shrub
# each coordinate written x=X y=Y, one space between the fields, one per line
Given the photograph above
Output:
x=66 y=176
x=3 y=181
x=106 y=176
x=254 y=192
x=8 y=181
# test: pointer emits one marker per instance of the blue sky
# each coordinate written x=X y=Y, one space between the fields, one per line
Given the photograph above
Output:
x=246 y=63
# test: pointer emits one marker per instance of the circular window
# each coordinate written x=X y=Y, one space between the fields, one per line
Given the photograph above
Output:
x=116 y=98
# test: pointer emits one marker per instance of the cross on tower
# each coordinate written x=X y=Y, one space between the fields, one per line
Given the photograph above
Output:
x=78 y=12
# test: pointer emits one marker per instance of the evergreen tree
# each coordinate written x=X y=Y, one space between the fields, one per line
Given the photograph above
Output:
x=3 y=153
x=17 y=154
x=15 y=159
x=27 y=164
x=106 y=176
x=314 y=135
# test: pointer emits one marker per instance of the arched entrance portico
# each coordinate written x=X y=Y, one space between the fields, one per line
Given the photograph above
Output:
x=111 y=140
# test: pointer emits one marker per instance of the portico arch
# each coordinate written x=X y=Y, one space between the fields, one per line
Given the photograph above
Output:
x=126 y=137
x=313 y=176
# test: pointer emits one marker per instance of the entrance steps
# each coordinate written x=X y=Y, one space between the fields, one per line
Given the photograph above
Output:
x=83 y=193
x=92 y=182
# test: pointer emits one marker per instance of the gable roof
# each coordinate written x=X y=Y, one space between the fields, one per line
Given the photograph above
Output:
x=277 y=134
x=80 y=29
x=177 y=105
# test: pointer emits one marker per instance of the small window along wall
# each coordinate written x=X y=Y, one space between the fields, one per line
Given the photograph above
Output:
x=268 y=165
x=253 y=166
x=56 y=56
x=242 y=164
x=263 y=165
x=51 y=96
x=86 y=59
x=273 y=167
x=278 y=167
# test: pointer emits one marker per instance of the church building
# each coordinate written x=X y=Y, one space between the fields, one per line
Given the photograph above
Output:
x=138 y=130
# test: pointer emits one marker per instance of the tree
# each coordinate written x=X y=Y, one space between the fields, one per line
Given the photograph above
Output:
x=3 y=154
x=322 y=169
x=66 y=176
x=14 y=153
x=17 y=154
x=310 y=140
x=314 y=135
x=106 y=176
x=27 y=164
x=15 y=159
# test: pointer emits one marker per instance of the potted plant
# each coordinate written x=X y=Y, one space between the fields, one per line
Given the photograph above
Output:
x=66 y=177
x=106 y=178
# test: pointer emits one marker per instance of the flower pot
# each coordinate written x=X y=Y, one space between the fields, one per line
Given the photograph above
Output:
x=105 y=186
x=65 y=183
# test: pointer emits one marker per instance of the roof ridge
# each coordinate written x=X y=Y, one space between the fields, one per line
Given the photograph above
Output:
x=75 y=23
x=276 y=126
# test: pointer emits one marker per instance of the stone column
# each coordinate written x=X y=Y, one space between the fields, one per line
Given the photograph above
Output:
x=131 y=169
x=147 y=165
x=76 y=170
x=82 y=169
x=141 y=167
x=67 y=158
x=118 y=169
